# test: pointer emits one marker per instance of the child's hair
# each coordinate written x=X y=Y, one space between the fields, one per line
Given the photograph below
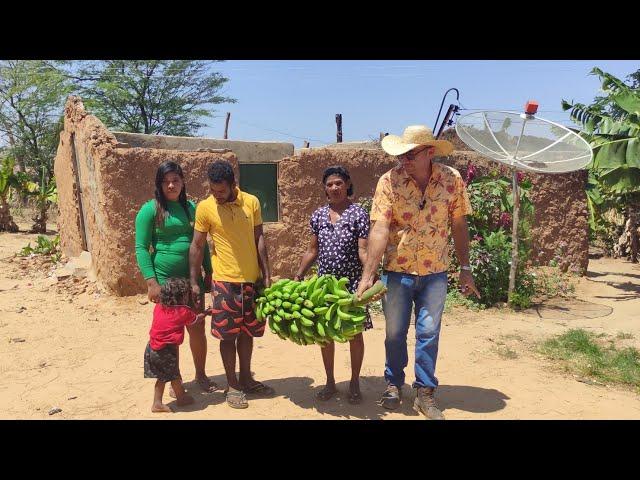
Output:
x=175 y=291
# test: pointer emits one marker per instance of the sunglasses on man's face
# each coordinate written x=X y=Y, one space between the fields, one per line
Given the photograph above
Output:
x=411 y=156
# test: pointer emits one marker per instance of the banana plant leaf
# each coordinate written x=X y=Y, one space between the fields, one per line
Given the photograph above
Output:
x=622 y=179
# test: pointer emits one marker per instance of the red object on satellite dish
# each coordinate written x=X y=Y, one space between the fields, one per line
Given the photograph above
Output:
x=531 y=107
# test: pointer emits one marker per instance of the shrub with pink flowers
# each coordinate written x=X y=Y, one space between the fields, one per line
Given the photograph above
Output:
x=490 y=228
x=492 y=202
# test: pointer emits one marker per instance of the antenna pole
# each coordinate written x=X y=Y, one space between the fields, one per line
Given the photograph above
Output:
x=514 y=234
x=516 y=218
x=530 y=109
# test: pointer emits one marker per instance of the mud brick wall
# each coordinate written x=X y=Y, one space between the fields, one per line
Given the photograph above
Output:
x=69 y=222
x=301 y=192
x=111 y=182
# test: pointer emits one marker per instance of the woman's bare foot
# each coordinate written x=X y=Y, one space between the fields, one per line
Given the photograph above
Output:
x=160 y=408
x=184 y=400
x=355 y=397
x=327 y=392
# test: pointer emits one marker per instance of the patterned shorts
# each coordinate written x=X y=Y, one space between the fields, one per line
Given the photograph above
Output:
x=161 y=364
x=234 y=310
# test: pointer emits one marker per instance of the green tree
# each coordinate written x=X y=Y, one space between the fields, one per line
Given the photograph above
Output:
x=168 y=97
x=32 y=94
x=8 y=180
x=44 y=195
x=612 y=125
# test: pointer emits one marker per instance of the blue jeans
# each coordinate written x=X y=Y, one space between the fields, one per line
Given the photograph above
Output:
x=428 y=293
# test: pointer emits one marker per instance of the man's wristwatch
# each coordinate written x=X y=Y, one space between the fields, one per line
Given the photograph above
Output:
x=466 y=267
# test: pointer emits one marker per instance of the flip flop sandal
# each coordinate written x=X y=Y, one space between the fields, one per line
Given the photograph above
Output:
x=236 y=399
x=259 y=389
x=207 y=385
x=355 y=398
x=326 y=394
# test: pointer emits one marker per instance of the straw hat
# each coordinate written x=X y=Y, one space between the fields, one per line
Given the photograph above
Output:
x=415 y=136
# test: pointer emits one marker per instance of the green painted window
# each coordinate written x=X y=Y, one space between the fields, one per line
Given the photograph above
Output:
x=261 y=180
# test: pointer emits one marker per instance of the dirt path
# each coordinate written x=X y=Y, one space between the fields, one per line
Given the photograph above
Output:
x=83 y=354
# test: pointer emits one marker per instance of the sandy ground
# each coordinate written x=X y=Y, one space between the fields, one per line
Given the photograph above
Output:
x=82 y=352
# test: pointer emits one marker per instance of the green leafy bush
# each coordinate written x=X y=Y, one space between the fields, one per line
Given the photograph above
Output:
x=492 y=202
x=455 y=298
x=490 y=229
x=44 y=246
x=490 y=260
x=520 y=301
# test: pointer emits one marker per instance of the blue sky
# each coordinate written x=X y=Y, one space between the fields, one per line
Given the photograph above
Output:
x=296 y=100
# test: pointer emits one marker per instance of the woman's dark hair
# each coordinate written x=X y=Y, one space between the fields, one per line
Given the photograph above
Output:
x=162 y=211
x=221 y=171
x=175 y=291
x=342 y=173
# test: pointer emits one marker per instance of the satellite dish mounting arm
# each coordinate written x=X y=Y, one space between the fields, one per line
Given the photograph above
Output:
x=452 y=109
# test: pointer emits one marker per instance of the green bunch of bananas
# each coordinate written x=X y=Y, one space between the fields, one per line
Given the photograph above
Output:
x=317 y=310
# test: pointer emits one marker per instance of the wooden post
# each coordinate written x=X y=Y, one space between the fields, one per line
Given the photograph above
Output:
x=226 y=125
x=306 y=144
x=516 y=218
x=339 y=125
x=514 y=234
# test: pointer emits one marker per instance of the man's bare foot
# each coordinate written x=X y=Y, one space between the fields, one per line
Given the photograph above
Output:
x=256 y=388
x=184 y=400
x=160 y=408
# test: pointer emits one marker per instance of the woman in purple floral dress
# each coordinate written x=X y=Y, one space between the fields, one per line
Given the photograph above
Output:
x=339 y=232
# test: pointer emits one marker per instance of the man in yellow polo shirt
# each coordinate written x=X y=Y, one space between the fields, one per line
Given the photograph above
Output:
x=239 y=259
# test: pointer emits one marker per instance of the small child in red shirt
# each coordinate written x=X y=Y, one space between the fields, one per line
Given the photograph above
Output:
x=167 y=332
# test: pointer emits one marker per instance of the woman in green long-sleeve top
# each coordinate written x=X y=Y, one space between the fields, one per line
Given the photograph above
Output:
x=166 y=225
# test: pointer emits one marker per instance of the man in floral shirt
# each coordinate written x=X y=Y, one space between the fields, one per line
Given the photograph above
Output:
x=412 y=209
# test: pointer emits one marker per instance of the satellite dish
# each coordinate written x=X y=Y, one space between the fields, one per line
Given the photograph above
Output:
x=524 y=141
